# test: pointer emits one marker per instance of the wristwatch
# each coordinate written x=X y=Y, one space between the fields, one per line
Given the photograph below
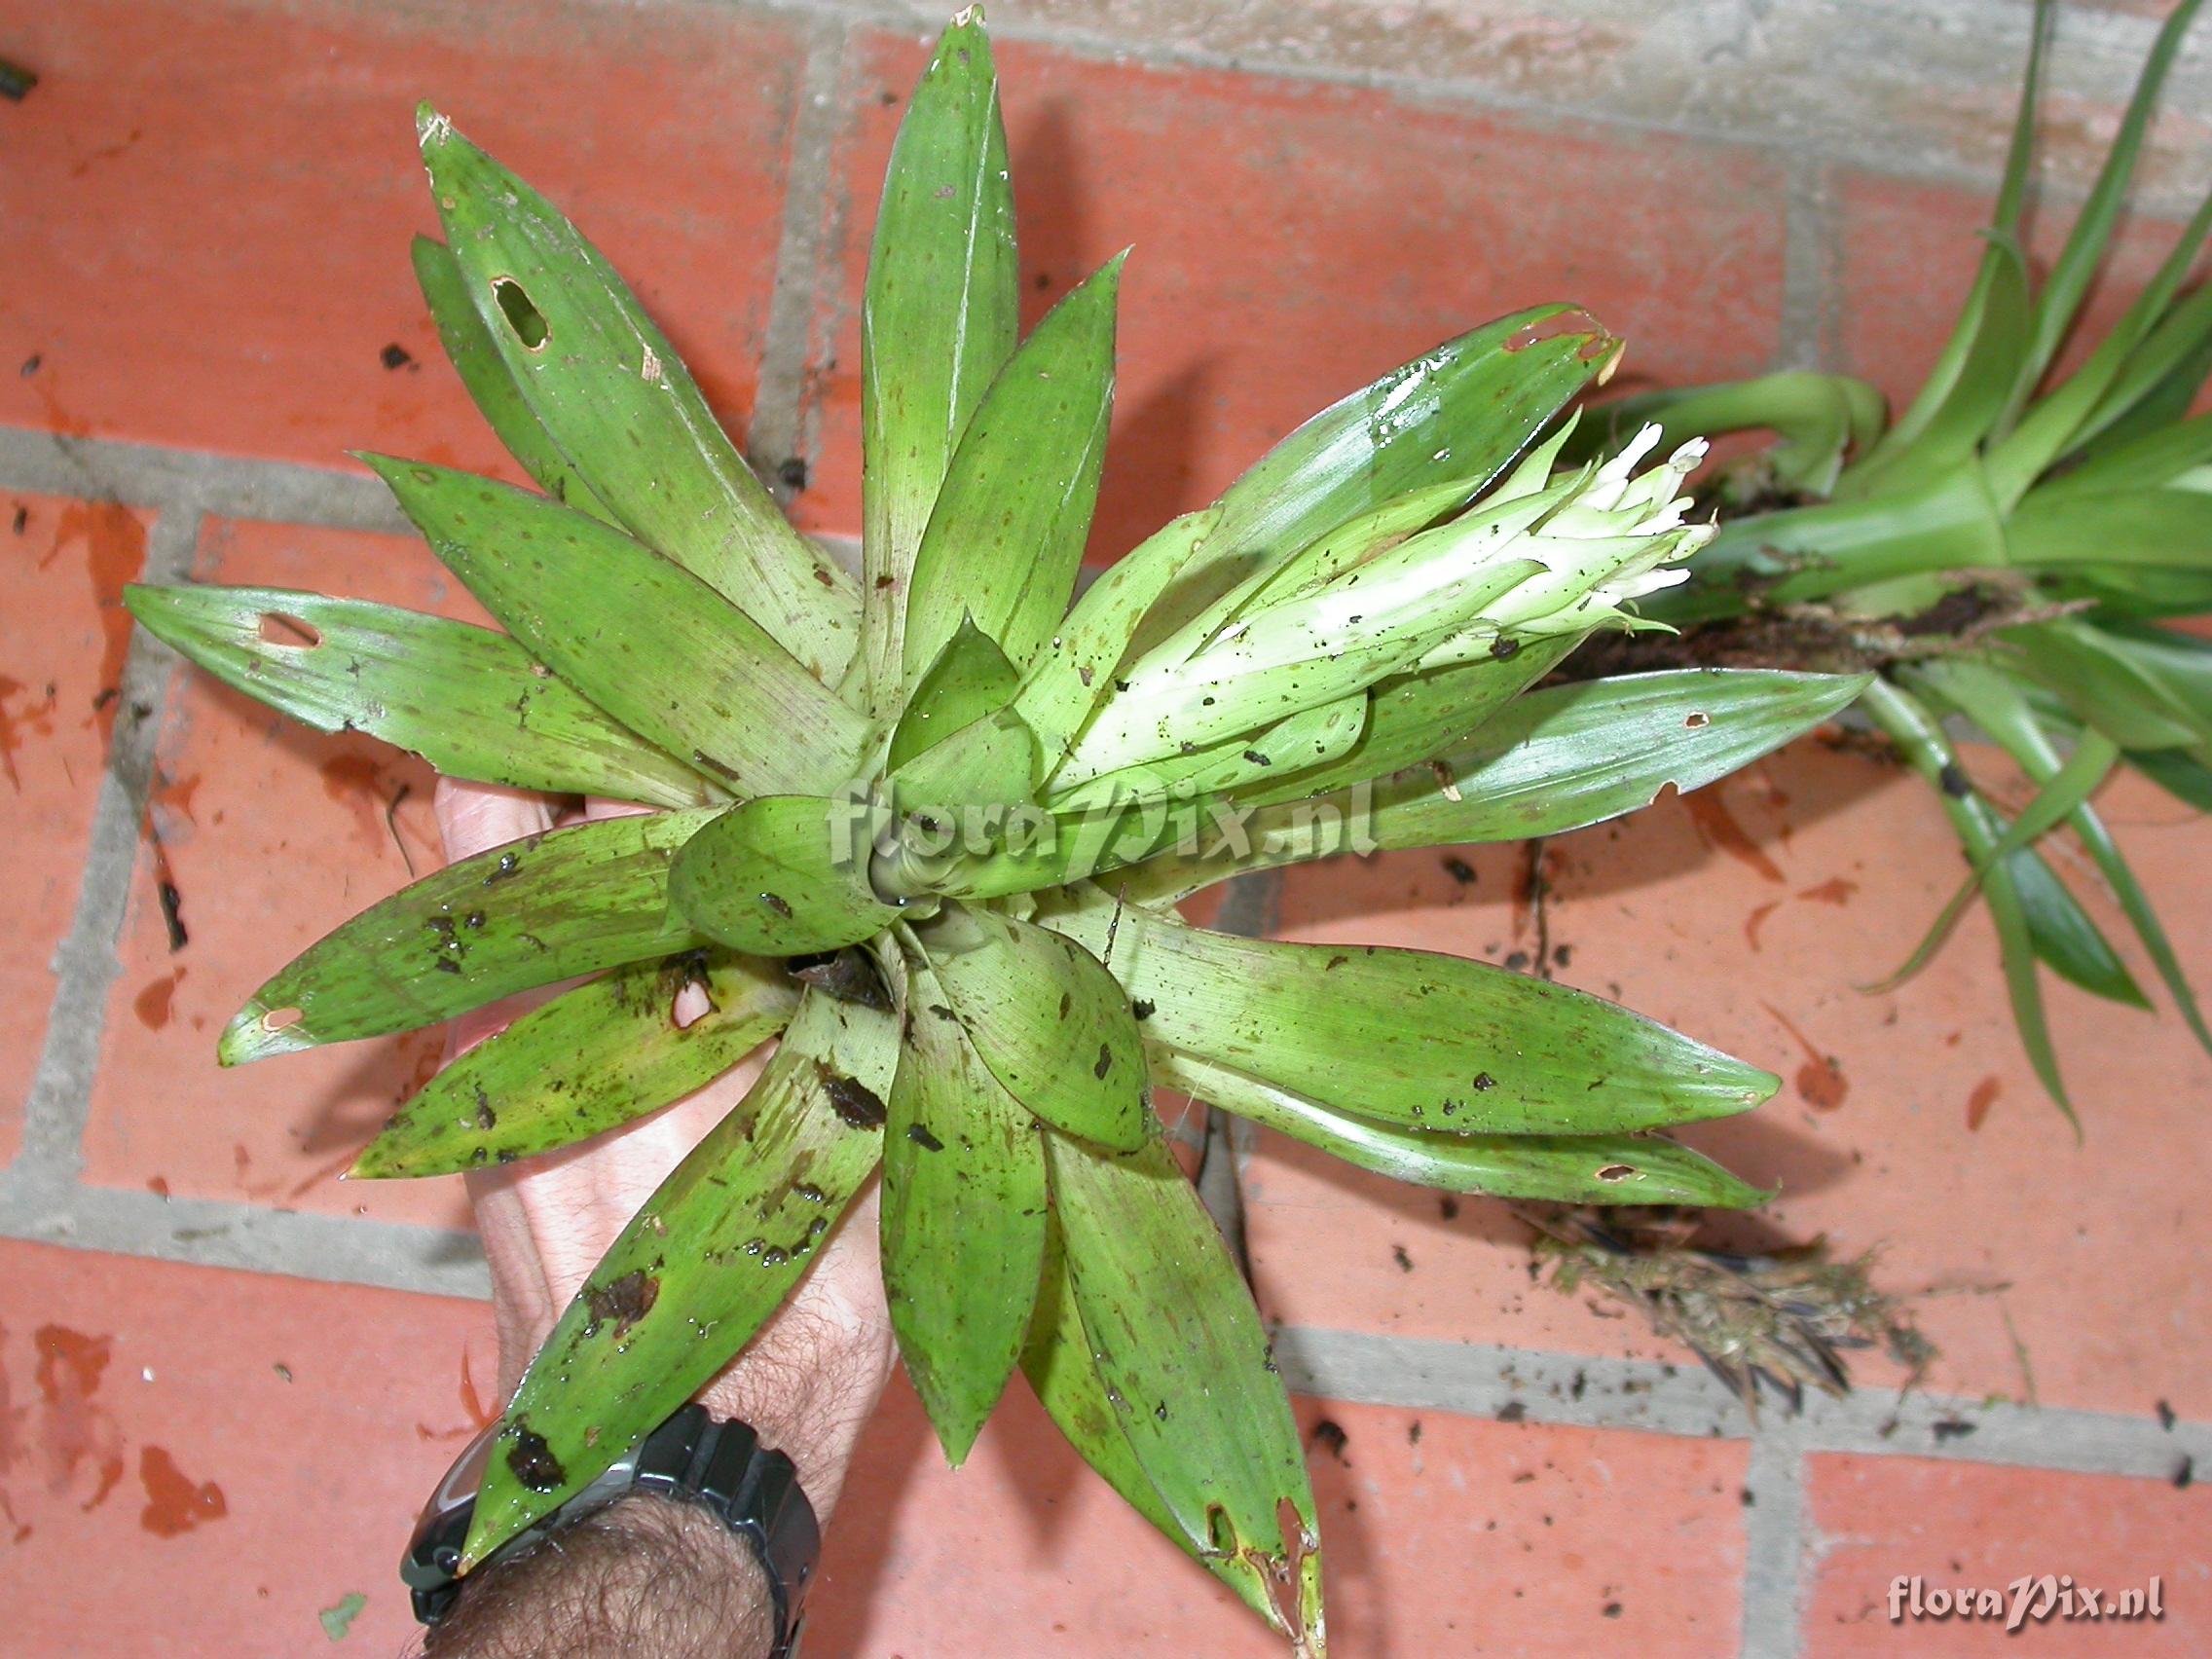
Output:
x=692 y=1458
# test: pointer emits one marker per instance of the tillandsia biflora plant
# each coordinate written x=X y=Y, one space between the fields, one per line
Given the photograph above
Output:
x=929 y=827
x=2005 y=552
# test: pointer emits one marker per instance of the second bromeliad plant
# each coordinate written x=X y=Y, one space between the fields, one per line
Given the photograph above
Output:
x=930 y=828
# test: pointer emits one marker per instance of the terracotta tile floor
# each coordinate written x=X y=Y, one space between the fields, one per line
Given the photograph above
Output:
x=226 y=1380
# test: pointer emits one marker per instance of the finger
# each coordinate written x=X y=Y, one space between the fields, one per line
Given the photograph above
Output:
x=475 y=818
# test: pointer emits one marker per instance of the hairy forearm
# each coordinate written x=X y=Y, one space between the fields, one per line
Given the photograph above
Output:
x=644 y=1580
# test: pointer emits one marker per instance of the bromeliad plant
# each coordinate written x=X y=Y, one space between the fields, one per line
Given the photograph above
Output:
x=2005 y=551
x=930 y=828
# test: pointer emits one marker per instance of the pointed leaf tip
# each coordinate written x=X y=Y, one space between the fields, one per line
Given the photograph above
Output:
x=430 y=127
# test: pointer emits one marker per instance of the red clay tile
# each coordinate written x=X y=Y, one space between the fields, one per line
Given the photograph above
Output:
x=63 y=635
x=202 y=1462
x=1294 y=240
x=1875 y=1520
x=1444 y=1534
x=274 y=835
x=267 y=336
x=1907 y=1121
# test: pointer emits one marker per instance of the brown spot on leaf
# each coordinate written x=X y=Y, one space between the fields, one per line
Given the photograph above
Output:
x=623 y=1301
x=857 y=1105
x=531 y=1461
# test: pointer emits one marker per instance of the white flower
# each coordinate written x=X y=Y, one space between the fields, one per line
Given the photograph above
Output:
x=1539 y=555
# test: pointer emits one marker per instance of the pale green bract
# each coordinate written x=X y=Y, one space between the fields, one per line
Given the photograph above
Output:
x=861 y=773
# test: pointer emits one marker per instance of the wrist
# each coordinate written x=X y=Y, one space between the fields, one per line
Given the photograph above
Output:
x=642 y=1575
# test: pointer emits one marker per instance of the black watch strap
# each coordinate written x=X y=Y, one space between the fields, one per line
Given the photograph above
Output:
x=691 y=1459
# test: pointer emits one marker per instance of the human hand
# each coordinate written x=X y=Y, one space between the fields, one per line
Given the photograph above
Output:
x=811 y=1376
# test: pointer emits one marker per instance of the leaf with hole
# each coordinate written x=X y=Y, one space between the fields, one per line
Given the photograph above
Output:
x=531 y=913
x=592 y=1059
x=621 y=408
x=470 y=701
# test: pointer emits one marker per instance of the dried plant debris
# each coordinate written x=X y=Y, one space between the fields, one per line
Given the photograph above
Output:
x=1778 y=1321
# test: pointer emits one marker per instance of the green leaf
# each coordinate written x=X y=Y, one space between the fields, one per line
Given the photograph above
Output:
x=1457 y=416
x=938 y=318
x=1548 y=762
x=1818 y=420
x=2187 y=781
x=1920 y=739
x=1413 y=718
x=2054 y=423
x=2111 y=687
x=1999 y=707
x=1007 y=534
x=964 y=1208
x=1077 y=672
x=1574 y=1169
x=531 y=913
x=2061 y=931
x=476 y=357
x=1232 y=765
x=2079 y=262
x=1442 y=1045
x=635 y=633
x=701 y=1266
x=2060 y=798
x=1186 y=1365
x=1057 y=1360
x=2159 y=383
x=619 y=404
x=782 y=875
x=591 y=1059
x=1462 y=412
x=469 y=701
x=969 y=678
x=1051 y=1024
x=1969 y=386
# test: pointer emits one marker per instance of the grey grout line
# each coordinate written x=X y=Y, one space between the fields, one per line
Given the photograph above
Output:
x=84 y=964
x=1774 y=1523
x=778 y=431
x=1811 y=301
x=149 y=475
x=2101 y=50
x=1485 y=1378
x=209 y=1233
